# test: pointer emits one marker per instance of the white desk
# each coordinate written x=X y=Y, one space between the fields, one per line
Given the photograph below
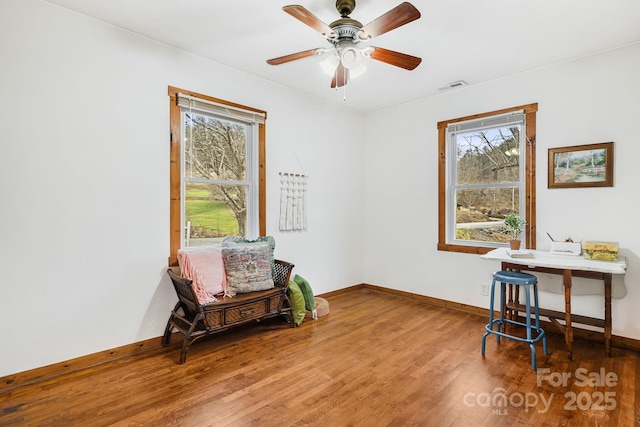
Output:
x=567 y=266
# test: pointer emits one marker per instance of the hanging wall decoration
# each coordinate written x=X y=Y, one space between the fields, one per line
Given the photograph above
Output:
x=293 y=202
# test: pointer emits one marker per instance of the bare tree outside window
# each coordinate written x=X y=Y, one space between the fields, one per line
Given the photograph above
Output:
x=487 y=182
x=215 y=176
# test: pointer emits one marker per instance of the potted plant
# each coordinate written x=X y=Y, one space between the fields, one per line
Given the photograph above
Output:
x=514 y=225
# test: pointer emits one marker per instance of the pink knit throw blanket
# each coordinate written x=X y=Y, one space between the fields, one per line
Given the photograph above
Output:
x=204 y=266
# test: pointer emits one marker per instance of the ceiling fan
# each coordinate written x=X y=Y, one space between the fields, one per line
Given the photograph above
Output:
x=345 y=33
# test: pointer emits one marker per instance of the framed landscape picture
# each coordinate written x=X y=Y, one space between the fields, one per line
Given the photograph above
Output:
x=588 y=165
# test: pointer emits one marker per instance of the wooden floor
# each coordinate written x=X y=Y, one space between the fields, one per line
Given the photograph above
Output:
x=375 y=360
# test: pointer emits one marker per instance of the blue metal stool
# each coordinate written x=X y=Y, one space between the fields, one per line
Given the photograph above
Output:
x=528 y=281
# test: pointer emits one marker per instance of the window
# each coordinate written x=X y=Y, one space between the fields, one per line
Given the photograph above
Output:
x=217 y=170
x=486 y=170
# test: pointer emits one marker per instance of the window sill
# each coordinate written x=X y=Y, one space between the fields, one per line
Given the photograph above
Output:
x=480 y=250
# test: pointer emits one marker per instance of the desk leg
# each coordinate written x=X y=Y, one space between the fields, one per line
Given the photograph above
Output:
x=568 y=331
x=607 y=314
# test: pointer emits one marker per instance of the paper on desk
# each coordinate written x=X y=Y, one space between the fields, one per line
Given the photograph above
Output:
x=520 y=253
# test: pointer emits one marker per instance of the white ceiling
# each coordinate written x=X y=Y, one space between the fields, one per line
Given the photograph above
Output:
x=471 y=40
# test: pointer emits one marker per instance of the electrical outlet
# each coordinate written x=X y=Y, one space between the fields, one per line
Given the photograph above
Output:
x=484 y=289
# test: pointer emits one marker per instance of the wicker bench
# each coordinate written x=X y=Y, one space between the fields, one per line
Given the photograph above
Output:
x=196 y=321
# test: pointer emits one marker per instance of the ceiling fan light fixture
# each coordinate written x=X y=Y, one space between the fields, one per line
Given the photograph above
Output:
x=355 y=60
x=330 y=63
x=358 y=69
x=350 y=55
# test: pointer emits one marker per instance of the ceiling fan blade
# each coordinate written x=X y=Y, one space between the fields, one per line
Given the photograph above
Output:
x=302 y=14
x=396 y=17
x=398 y=59
x=340 y=76
x=294 y=56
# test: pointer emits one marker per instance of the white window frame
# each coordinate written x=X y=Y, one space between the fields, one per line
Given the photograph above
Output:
x=251 y=171
x=487 y=123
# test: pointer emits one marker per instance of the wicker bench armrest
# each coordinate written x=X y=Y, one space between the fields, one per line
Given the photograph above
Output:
x=282 y=273
x=184 y=289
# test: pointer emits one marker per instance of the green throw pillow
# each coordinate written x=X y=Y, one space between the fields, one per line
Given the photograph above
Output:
x=297 y=302
x=307 y=292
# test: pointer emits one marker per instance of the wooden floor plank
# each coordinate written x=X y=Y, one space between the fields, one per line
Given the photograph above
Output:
x=375 y=360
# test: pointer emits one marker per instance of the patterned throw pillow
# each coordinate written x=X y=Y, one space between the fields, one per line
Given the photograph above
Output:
x=234 y=241
x=247 y=268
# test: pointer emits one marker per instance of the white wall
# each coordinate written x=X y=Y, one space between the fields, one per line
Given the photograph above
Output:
x=589 y=100
x=84 y=181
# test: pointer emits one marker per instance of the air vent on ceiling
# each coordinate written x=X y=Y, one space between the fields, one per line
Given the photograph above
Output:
x=453 y=85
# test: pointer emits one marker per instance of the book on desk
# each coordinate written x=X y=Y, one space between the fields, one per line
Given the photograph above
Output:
x=520 y=253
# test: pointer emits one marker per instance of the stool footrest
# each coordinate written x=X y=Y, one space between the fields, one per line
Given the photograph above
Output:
x=489 y=328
